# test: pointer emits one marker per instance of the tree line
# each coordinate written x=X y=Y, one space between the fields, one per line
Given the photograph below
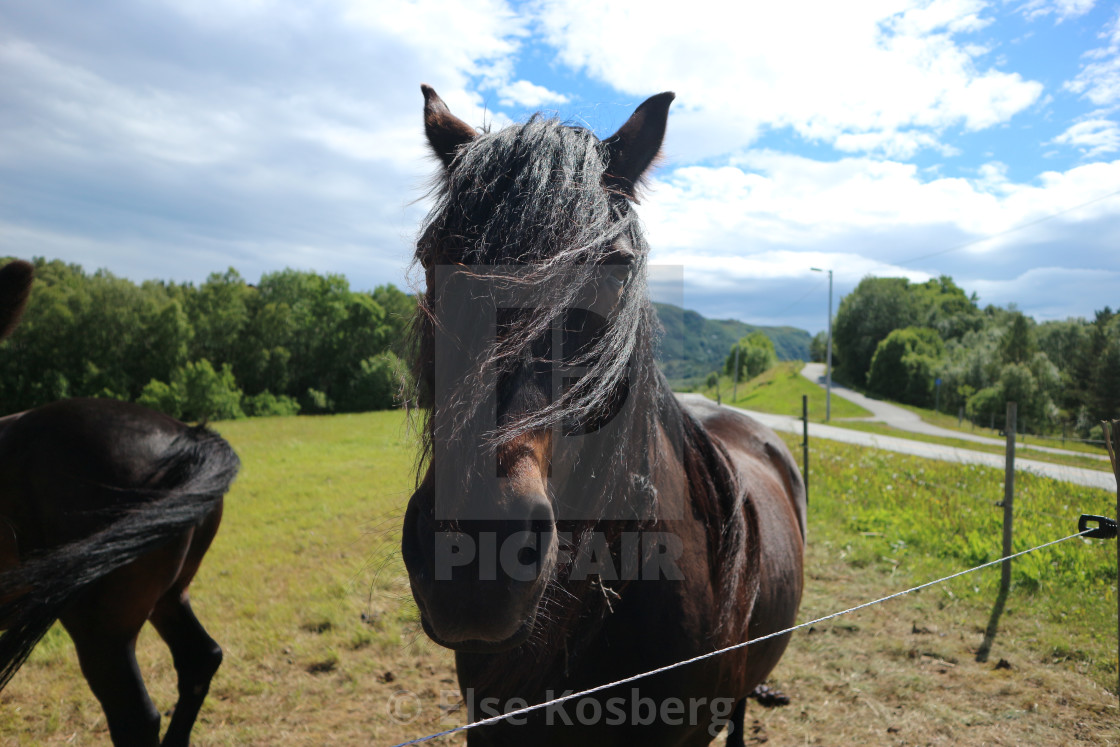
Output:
x=896 y=339
x=294 y=342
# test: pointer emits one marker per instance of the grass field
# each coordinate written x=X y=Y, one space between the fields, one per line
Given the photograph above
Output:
x=305 y=591
x=779 y=390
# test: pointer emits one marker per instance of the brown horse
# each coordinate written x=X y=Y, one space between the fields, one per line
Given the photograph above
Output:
x=106 y=510
x=575 y=522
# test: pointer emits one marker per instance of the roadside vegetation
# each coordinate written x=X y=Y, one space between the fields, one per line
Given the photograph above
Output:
x=305 y=591
x=952 y=422
x=1086 y=461
x=899 y=340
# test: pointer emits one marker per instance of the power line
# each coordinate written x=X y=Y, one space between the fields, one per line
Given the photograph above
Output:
x=799 y=299
x=1013 y=229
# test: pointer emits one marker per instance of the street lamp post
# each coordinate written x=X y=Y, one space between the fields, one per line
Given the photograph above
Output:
x=828 y=365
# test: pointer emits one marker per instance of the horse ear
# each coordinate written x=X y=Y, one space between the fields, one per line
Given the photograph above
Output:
x=15 y=287
x=446 y=132
x=632 y=149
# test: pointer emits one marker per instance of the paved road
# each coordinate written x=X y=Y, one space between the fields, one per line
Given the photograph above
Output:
x=903 y=419
x=1075 y=475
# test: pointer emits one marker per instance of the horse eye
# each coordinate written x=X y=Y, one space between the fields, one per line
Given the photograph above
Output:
x=617 y=275
x=618 y=266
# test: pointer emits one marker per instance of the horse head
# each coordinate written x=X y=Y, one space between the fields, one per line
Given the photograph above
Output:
x=534 y=344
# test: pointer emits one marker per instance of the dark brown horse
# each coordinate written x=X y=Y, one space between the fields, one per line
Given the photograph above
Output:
x=574 y=521
x=106 y=510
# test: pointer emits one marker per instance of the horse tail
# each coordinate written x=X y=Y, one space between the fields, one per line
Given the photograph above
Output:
x=186 y=485
x=15 y=287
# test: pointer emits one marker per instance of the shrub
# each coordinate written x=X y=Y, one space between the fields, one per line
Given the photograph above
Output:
x=267 y=404
x=196 y=393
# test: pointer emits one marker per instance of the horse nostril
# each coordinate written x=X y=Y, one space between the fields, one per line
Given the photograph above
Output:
x=527 y=556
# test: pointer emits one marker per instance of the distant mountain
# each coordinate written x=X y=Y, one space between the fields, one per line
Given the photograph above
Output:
x=692 y=346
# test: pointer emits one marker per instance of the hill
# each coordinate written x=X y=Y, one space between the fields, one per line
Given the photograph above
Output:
x=693 y=346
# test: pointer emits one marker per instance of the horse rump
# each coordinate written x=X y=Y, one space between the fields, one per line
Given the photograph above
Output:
x=188 y=482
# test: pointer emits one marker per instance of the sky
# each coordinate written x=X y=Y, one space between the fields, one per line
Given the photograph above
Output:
x=169 y=139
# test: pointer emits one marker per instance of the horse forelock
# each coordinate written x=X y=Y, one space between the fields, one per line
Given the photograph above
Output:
x=531 y=198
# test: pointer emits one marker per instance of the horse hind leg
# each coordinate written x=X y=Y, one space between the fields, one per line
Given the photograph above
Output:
x=109 y=666
x=197 y=657
x=104 y=622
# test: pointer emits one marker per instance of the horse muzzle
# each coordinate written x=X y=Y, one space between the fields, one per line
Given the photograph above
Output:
x=478 y=582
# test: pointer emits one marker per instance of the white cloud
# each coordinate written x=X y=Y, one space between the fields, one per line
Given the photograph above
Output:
x=529 y=95
x=1046 y=291
x=897 y=145
x=1094 y=137
x=195 y=135
x=258 y=133
x=1099 y=78
x=833 y=72
x=1062 y=10
x=748 y=233
x=726 y=272
x=774 y=214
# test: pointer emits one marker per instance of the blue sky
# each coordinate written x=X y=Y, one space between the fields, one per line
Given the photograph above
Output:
x=173 y=139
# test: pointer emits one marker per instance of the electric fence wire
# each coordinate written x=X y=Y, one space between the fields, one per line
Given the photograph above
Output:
x=717 y=652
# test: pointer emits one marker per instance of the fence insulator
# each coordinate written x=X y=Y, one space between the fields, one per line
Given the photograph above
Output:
x=1106 y=527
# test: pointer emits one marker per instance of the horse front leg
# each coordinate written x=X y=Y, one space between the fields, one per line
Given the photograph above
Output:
x=736 y=726
x=197 y=657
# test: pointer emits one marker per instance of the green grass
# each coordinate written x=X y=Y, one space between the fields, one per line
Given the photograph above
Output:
x=305 y=591
x=779 y=390
x=919 y=519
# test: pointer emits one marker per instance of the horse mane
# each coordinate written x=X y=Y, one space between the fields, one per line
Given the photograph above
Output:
x=730 y=520
x=15 y=287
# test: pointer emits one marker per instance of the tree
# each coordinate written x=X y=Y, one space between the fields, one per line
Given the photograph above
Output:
x=942 y=305
x=399 y=309
x=1018 y=343
x=219 y=312
x=1031 y=386
x=818 y=347
x=865 y=317
x=904 y=365
x=1104 y=381
x=267 y=404
x=755 y=355
x=159 y=395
